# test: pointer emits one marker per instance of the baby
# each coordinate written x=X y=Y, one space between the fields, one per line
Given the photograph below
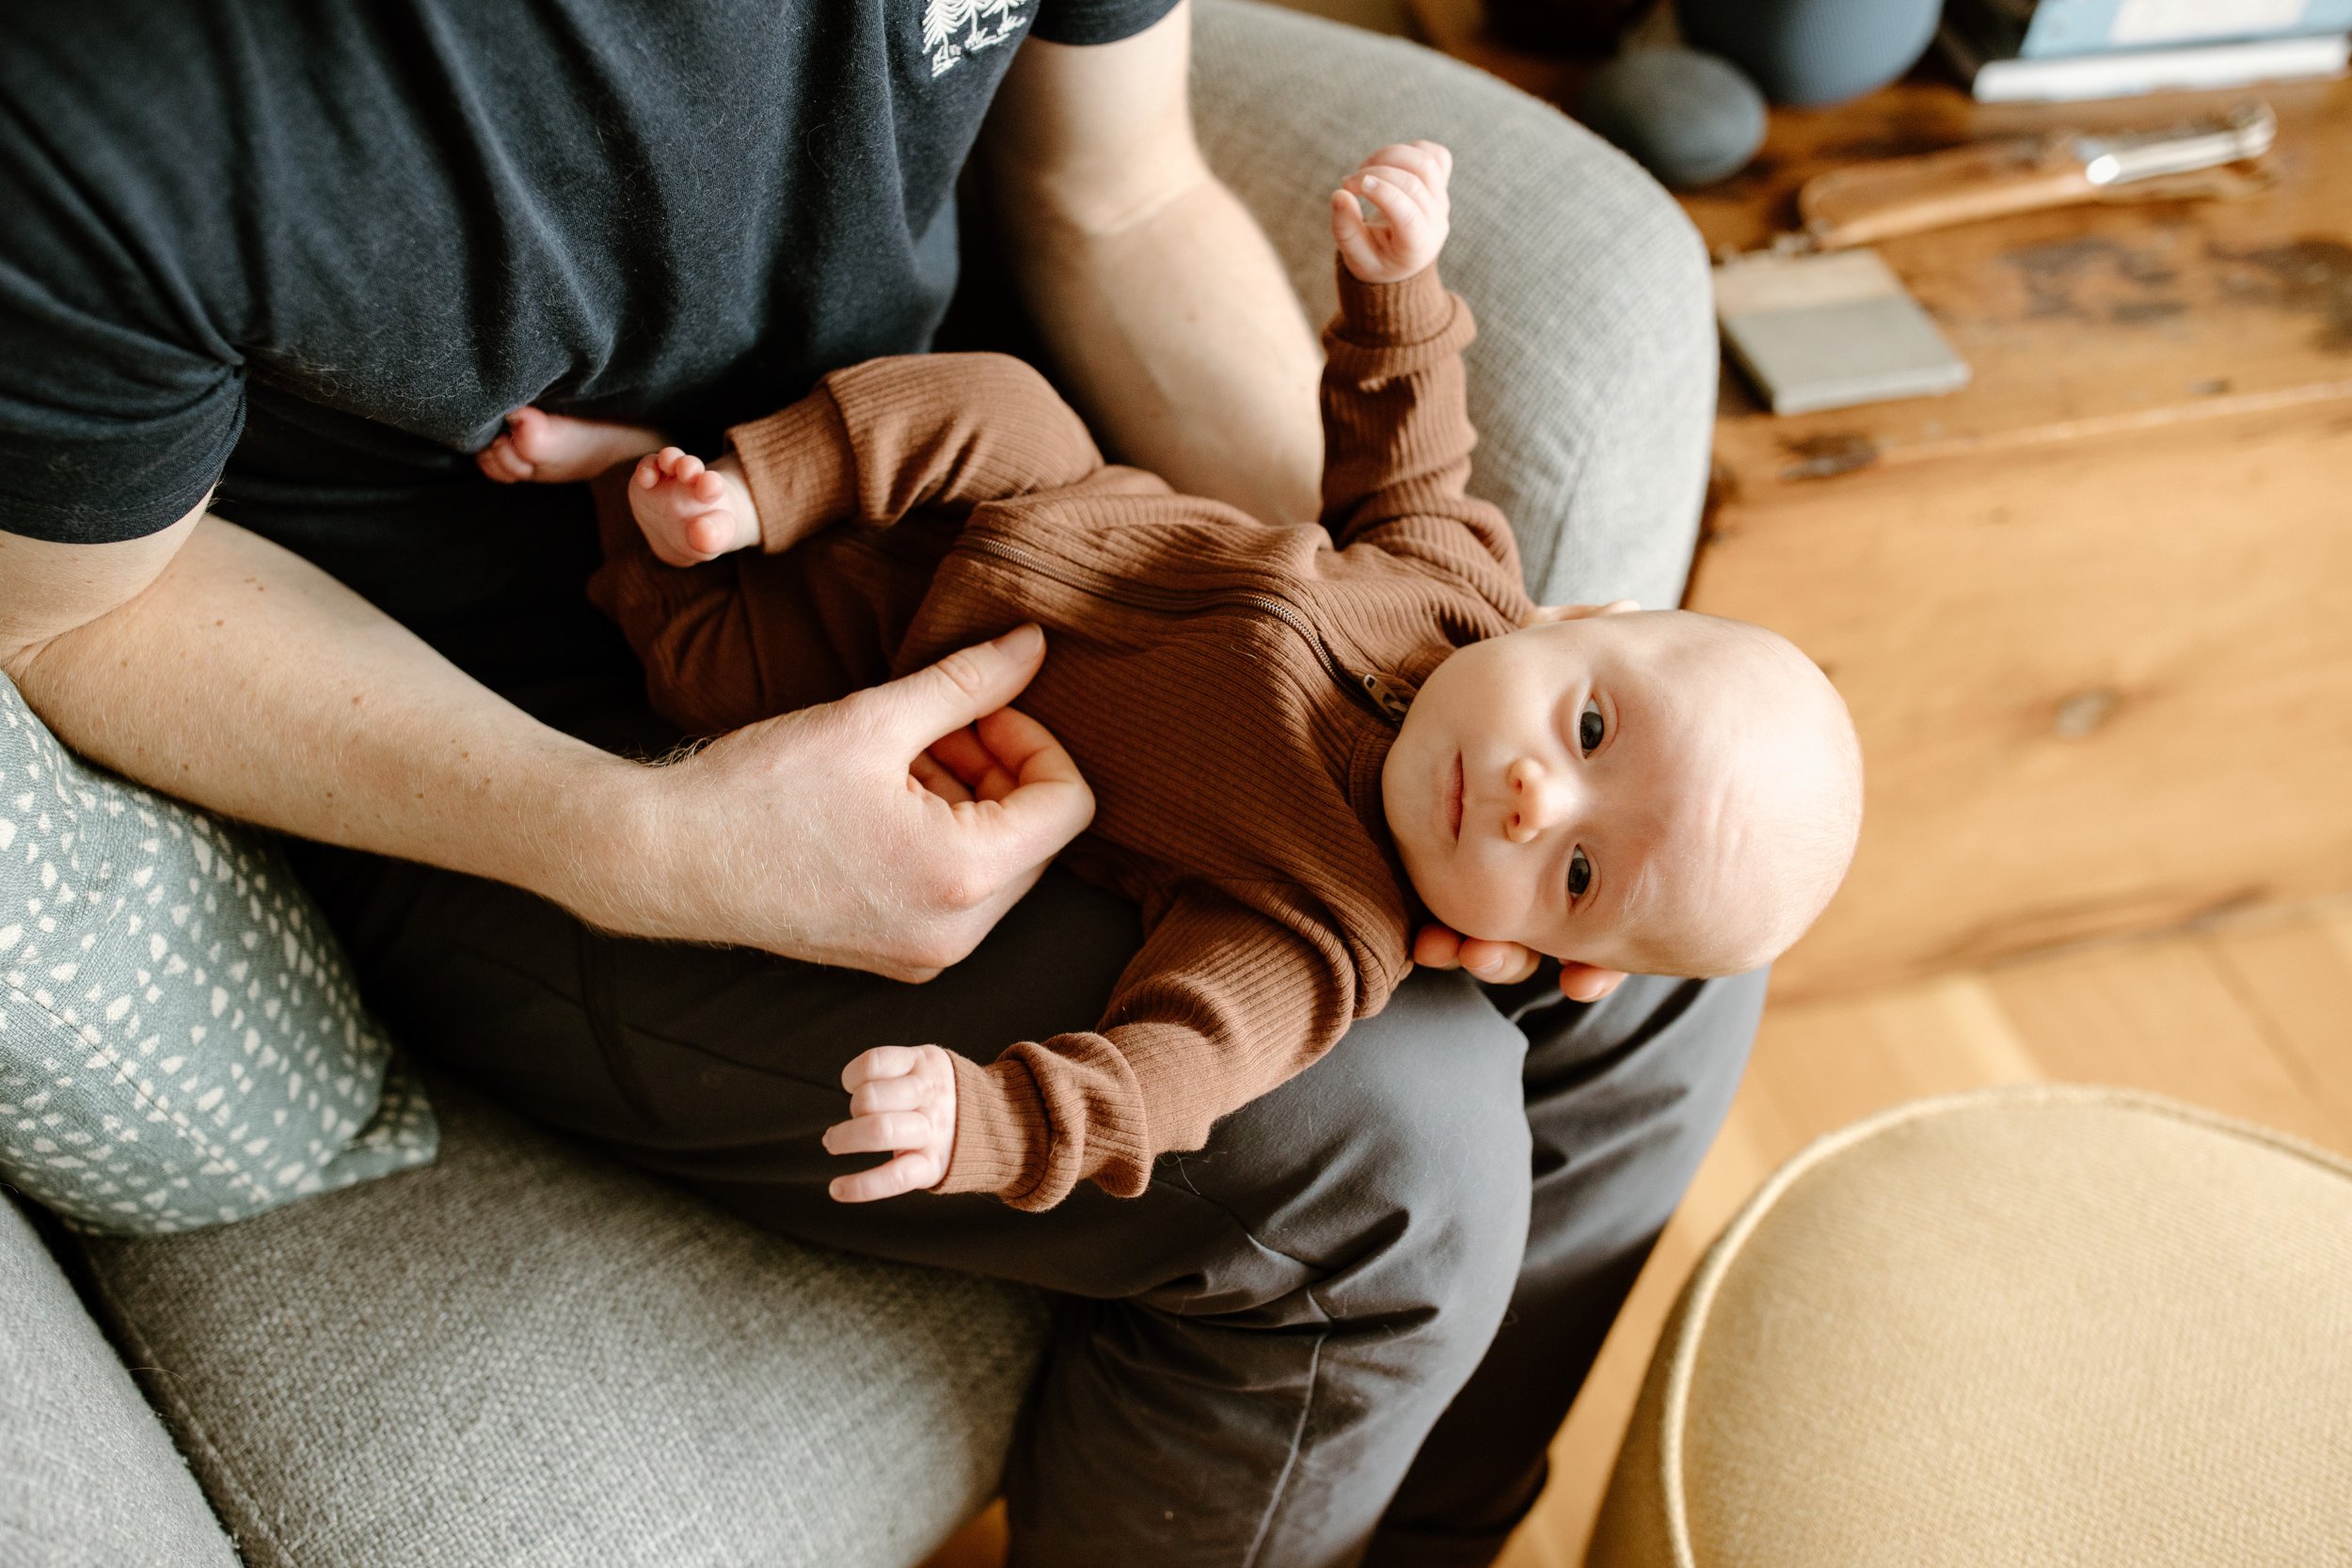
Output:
x=1302 y=738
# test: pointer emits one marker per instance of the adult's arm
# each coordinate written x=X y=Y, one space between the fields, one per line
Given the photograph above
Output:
x=207 y=662
x=1164 y=306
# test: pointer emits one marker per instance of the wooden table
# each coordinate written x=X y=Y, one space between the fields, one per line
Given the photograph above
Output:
x=2093 y=613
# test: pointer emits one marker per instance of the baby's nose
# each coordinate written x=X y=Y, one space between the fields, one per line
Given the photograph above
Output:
x=1537 y=799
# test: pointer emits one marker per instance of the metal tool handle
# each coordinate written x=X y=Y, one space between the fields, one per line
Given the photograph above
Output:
x=2119 y=160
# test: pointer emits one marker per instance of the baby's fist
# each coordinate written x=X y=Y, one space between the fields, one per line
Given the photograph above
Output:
x=1405 y=185
x=903 y=1101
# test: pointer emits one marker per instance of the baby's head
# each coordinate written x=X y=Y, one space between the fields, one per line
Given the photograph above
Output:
x=1662 y=794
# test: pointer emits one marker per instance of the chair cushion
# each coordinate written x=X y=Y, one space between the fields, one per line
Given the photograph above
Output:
x=527 y=1356
x=182 y=1041
x=87 y=1474
x=2029 y=1327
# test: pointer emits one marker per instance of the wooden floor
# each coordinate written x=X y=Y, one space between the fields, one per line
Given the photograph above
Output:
x=2252 y=1018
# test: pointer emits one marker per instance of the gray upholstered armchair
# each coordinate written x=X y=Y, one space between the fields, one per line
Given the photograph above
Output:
x=525 y=1356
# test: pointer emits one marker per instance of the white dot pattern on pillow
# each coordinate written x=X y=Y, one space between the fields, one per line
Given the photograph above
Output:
x=180 y=1039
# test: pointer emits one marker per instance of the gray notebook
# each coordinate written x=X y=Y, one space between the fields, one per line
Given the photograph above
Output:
x=1829 y=331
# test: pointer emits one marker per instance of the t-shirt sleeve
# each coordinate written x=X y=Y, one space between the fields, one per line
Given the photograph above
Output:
x=1096 y=21
x=115 y=418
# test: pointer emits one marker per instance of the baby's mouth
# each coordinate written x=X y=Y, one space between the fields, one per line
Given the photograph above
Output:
x=1454 y=800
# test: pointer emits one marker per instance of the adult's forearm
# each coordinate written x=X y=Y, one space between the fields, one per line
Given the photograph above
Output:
x=1178 y=335
x=245 y=680
x=212 y=664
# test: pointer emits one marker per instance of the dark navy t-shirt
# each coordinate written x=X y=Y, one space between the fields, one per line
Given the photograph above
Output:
x=315 y=250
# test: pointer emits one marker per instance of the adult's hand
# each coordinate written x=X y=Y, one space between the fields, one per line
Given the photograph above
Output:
x=887 y=832
x=1506 y=963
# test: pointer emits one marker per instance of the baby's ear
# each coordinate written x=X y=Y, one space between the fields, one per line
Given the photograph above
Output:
x=1544 y=612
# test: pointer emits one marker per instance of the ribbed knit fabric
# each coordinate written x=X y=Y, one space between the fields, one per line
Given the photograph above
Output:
x=1217 y=679
x=797 y=463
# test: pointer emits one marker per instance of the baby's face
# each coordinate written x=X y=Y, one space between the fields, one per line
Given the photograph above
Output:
x=1594 y=789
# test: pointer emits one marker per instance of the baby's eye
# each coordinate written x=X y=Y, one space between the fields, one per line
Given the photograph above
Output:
x=1579 y=873
x=1590 y=727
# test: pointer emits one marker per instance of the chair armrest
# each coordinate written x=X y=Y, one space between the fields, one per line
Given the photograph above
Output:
x=1593 y=379
x=89 y=1478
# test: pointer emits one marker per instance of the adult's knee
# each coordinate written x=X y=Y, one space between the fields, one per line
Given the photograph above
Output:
x=1397 y=1168
x=1624 y=1097
x=1367 y=1220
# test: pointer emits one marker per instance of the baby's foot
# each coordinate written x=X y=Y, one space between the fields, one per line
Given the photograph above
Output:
x=556 y=448
x=691 y=514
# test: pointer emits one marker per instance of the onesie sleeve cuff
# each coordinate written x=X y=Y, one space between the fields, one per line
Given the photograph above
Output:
x=1001 y=1132
x=799 y=468
x=1413 y=311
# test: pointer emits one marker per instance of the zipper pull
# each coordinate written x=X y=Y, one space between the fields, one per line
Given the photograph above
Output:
x=1390 y=698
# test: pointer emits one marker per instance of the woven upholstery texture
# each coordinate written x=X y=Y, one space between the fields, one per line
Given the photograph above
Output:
x=525 y=1357
x=87 y=1474
x=1593 y=379
x=2031 y=1327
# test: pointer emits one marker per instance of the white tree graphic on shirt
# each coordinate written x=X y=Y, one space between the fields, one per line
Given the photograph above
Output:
x=984 y=23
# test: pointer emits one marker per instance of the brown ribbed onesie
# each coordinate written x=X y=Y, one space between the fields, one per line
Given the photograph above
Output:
x=1229 y=689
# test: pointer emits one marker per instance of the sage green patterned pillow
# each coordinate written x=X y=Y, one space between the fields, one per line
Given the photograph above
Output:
x=181 y=1038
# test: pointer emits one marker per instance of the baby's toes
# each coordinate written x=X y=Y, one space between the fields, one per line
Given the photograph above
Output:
x=530 y=433
x=708 y=534
x=708 y=488
x=648 y=473
x=500 y=461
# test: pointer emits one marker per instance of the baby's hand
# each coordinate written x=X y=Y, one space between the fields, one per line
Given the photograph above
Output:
x=903 y=1097
x=1405 y=183
x=690 y=514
